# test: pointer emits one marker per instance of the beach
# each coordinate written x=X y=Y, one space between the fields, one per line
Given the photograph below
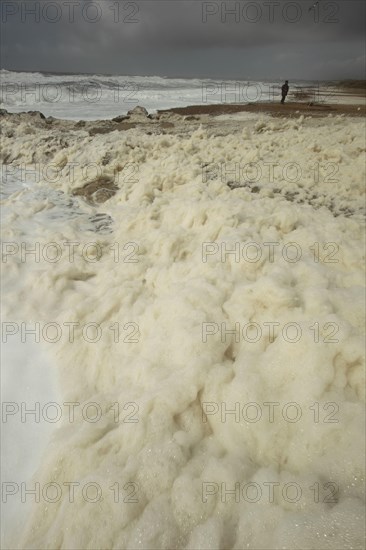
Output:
x=197 y=276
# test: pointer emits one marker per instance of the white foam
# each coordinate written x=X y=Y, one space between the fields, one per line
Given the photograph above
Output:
x=170 y=372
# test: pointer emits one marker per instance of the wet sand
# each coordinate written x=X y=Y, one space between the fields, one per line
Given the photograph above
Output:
x=290 y=109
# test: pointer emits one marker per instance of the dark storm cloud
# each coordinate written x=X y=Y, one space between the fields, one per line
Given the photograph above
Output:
x=256 y=39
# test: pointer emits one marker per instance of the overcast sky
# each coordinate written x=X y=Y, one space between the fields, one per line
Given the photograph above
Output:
x=190 y=38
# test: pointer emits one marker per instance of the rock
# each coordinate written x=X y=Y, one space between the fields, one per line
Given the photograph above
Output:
x=36 y=113
x=120 y=118
x=97 y=191
x=138 y=111
x=106 y=159
x=122 y=126
x=169 y=117
x=3 y=112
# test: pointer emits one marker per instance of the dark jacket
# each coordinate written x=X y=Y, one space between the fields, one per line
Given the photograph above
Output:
x=285 y=89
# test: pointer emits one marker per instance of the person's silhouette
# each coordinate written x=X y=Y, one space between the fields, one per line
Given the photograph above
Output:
x=284 y=89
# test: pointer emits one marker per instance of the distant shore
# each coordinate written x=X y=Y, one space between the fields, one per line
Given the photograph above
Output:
x=273 y=109
x=165 y=120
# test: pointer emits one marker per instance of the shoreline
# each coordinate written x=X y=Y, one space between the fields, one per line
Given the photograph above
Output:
x=273 y=109
x=167 y=119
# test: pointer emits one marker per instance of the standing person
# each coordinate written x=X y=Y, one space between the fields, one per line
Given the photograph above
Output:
x=285 y=89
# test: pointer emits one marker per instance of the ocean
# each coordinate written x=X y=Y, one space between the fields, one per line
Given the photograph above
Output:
x=93 y=97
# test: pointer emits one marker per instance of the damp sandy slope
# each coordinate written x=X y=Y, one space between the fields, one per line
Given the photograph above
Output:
x=181 y=184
